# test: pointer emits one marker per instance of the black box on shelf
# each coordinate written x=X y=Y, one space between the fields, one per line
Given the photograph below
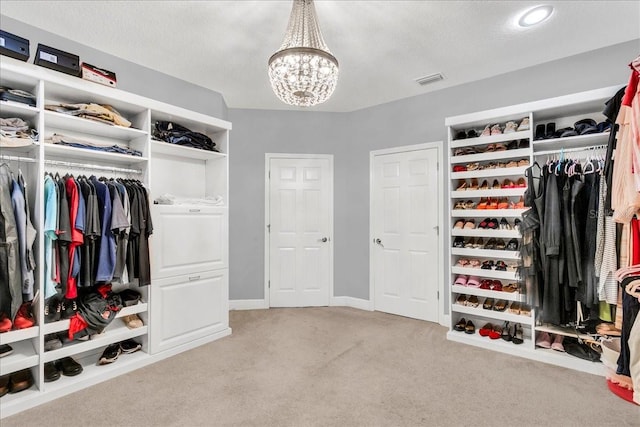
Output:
x=98 y=75
x=14 y=46
x=57 y=60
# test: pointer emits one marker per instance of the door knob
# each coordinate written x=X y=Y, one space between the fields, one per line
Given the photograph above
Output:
x=378 y=242
x=324 y=239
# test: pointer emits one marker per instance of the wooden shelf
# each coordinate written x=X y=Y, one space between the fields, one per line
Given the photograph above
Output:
x=62 y=121
x=17 y=109
x=91 y=156
x=490 y=213
x=486 y=253
x=493 y=274
x=498 y=193
x=161 y=147
x=492 y=156
x=19 y=335
x=114 y=333
x=486 y=293
x=63 y=325
x=485 y=232
x=484 y=140
x=23 y=356
x=490 y=173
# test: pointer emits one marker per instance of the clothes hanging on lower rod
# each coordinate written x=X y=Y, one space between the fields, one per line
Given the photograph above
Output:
x=96 y=231
x=17 y=236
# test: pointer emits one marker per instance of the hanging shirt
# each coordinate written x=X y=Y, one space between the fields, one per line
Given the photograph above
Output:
x=49 y=228
x=76 y=237
x=18 y=203
x=107 y=251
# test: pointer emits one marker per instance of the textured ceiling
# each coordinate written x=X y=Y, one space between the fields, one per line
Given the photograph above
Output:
x=382 y=46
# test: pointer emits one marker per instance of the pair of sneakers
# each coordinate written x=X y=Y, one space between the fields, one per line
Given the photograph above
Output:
x=56 y=308
x=23 y=319
x=113 y=351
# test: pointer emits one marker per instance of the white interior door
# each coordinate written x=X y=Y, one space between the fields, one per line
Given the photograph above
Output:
x=300 y=246
x=405 y=243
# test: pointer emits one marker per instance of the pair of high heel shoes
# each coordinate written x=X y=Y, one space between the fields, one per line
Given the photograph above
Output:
x=512 y=332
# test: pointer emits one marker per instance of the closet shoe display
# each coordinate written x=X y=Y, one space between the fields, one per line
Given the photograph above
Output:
x=69 y=308
x=69 y=367
x=524 y=124
x=52 y=342
x=110 y=354
x=52 y=310
x=51 y=372
x=495 y=333
x=129 y=346
x=4 y=385
x=505 y=335
x=133 y=321
x=20 y=380
x=5 y=350
x=518 y=335
x=460 y=325
x=470 y=328
x=24 y=318
x=543 y=340
x=5 y=323
x=485 y=330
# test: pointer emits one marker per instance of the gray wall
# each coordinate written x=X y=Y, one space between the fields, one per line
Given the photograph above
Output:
x=131 y=77
x=351 y=136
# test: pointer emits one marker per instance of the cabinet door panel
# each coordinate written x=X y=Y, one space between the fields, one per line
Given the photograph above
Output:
x=186 y=308
x=189 y=240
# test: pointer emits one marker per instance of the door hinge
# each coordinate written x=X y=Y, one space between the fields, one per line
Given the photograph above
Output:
x=438 y=295
x=437 y=166
x=437 y=228
x=269 y=174
x=269 y=284
x=269 y=228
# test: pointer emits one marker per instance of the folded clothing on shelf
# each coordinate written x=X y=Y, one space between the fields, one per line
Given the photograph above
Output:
x=170 y=199
x=98 y=112
x=17 y=95
x=174 y=133
x=15 y=132
x=93 y=145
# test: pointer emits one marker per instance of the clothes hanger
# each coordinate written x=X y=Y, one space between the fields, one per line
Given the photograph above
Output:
x=633 y=289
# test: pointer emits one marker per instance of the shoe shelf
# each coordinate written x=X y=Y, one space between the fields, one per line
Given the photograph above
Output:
x=485 y=232
x=490 y=173
x=63 y=325
x=487 y=293
x=502 y=192
x=568 y=332
x=485 y=253
x=23 y=356
x=10 y=399
x=492 y=314
x=578 y=141
x=566 y=360
x=18 y=109
x=483 y=140
x=93 y=373
x=113 y=333
x=19 y=335
x=484 y=213
x=91 y=156
x=500 y=345
x=492 y=274
x=491 y=156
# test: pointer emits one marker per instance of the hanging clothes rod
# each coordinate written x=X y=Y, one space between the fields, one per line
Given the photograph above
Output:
x=94 y=167
x=570 y=150
x=17 y=159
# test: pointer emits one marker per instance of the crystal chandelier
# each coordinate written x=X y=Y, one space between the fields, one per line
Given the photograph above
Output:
x=303 y=72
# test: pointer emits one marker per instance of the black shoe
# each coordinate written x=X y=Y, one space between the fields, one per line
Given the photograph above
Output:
x=5 y=350
x=52 y=310
x=20 y=380
x=551 y=131
x=512 y=245
x=539 y=132
x=69 y=367
x=51 y=373
x=130 y=346
x=69 y=308
x=52 y=342
x=4 y=385
x=110 y=354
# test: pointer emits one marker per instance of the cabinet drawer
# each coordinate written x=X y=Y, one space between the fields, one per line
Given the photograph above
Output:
x=188 y=240
x=187 y=308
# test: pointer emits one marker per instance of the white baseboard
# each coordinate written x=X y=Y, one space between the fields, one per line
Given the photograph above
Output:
x=358 y=303
x=247 y=304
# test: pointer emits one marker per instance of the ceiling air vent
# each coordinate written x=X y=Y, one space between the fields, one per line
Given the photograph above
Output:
x=431 y=78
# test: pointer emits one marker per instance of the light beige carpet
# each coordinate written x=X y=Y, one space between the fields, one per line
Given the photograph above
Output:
x=339 y=367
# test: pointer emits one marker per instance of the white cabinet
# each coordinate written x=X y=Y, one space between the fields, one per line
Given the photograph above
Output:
x=187 y=302
x=476 y=160
x=189 y=307
x=189 y=239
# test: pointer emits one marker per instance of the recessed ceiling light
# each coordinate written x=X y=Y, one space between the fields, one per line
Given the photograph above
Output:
x=535 y=16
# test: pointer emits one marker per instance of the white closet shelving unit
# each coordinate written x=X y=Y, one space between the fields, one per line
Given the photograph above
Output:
x=564 y=111
x=196 y=310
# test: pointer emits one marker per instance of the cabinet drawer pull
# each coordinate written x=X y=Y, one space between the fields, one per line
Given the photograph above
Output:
x=194 y=210
x=192 y=278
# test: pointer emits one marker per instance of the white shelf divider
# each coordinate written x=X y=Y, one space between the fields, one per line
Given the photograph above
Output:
x=62 y=121
x=19 y=109
x=487 y=213
x=493 y=274
x=484 y=140
x=490 y=173
x=487 y=293
x=492 y=156
x=63 y=325
x=19 y=335
x=23 y=356
x=161 y=147
x=504 y=316
x=498 y=193
x=485 y=253
x=90 y=156
x=485 y=232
